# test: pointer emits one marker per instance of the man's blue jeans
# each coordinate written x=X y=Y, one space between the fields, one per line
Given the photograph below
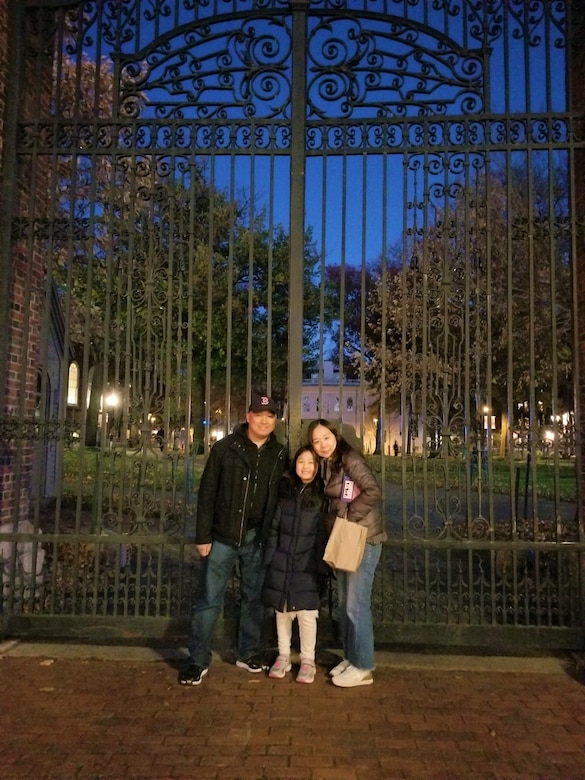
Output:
x=354 y=593
x=217 y=570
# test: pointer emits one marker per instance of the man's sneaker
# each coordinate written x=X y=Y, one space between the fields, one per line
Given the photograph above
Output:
x=192 y=674
x=353 y=677
x=251 y=665
x=341 y=667
x=306 y=672
x=280 y=667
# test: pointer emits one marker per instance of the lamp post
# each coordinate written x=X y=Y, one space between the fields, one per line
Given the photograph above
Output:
x=111 y=402
x=487 y=426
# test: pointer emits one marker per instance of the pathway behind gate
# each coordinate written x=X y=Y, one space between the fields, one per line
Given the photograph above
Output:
x=83 y=713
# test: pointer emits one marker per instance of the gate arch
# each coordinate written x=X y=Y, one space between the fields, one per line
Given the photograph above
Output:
x=364 y=211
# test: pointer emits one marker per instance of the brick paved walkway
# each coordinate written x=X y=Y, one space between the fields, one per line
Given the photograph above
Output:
x=70 y=715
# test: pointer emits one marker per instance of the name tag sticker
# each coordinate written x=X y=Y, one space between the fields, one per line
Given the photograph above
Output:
x=348 y=489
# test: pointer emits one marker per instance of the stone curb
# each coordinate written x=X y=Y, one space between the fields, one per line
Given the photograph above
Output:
x=384 y=659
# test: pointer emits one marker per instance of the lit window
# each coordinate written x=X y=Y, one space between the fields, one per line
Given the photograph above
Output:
x=73 y=385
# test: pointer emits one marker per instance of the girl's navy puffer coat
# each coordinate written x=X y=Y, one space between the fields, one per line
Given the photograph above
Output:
x=294 y=554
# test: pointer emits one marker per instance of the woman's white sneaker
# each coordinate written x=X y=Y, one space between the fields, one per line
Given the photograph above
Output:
x=341 y=667
x=352 y=677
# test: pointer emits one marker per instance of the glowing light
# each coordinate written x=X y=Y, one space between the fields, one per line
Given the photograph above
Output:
x=112 y=399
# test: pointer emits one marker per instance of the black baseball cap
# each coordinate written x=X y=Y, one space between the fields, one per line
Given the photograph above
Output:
x=262 y=403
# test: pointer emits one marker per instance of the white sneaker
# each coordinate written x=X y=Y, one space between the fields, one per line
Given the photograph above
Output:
x=341 y=667
x=306 y=672
x=352 y=677
x=280 y=667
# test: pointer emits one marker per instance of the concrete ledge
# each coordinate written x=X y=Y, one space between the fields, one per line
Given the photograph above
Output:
x=18 y=649
x=384 y=659
x=468 y=663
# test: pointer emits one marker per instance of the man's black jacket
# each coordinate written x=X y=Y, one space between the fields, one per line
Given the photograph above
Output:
x=230 y=473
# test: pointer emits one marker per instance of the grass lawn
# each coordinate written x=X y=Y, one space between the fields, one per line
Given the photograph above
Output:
x=552 y=479
x=164 y=473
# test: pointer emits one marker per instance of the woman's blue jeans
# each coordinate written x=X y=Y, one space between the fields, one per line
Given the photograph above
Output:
x=354 y=594
x=217 y=571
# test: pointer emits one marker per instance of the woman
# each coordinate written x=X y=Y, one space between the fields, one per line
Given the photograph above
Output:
x=344 y=470
x=294 y=560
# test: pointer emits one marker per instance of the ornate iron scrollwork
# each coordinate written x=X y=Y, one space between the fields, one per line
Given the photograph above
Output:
x=390 y=68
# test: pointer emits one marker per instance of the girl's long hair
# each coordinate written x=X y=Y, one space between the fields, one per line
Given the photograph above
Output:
x=343 y=446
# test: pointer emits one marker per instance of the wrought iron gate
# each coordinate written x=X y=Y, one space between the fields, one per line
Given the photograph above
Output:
x=367 y=209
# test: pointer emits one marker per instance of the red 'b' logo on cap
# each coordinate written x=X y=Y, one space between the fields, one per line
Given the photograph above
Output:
x=264 y=400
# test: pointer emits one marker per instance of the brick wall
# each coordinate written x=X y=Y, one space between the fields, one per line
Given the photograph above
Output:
x=5 y=470
x=26 y=283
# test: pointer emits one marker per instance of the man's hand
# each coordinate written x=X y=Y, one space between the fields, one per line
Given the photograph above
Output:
x=203 y=549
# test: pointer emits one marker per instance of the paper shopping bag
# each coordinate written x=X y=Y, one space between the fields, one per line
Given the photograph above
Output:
x=346 y=545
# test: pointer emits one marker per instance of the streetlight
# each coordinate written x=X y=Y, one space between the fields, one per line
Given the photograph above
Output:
x=375 y=420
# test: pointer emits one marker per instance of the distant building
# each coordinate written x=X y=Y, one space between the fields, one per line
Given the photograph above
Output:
x=344 y=402
x=355 y=410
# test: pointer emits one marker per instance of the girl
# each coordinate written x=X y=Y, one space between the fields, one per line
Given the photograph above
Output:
x=351 y=487
x=294 y=559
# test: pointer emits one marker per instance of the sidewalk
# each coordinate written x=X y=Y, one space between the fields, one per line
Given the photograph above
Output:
x=109 y=713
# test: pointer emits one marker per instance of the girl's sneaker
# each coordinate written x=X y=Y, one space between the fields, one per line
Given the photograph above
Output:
x=280 y=667
x=306 y=672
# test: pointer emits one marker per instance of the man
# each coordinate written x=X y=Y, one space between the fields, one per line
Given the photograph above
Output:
x=236 y=501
